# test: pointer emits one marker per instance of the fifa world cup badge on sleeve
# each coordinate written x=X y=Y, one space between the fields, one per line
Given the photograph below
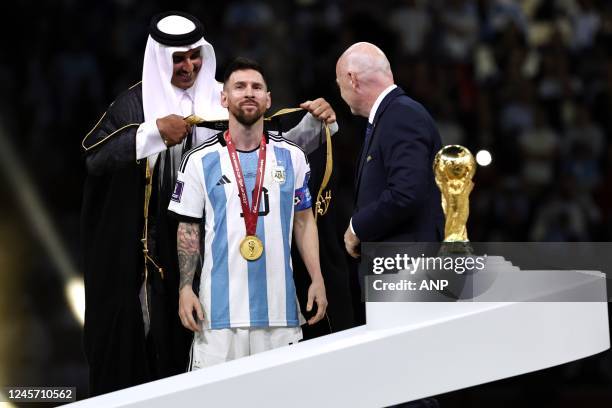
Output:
x=178 y=191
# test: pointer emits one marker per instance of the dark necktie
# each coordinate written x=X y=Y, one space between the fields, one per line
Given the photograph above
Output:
x=366 y=142
x=368 y=134
x=364 y=151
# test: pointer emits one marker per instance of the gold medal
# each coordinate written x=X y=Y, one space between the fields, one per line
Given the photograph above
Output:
x=251 y=247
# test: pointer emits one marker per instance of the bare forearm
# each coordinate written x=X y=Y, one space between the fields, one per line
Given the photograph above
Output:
x=307 y=241
x=188 y=246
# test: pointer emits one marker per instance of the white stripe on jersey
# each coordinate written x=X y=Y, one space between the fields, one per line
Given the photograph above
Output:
x=276 y=281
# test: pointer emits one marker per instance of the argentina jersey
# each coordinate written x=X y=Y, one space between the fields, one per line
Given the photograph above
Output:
x=235 y=292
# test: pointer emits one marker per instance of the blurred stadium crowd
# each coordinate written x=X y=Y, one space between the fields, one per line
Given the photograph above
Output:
x=530 y=81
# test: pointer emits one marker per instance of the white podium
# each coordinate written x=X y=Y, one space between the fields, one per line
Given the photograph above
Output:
x=406 y=351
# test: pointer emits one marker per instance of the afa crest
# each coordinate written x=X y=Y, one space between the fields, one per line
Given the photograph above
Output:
x=278 y=174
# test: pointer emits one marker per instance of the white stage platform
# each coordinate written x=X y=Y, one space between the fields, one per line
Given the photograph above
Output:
x=406 y=351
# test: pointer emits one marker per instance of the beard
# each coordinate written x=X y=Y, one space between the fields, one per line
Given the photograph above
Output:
x=247 y=119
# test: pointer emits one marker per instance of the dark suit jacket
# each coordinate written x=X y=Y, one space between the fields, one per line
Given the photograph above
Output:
x=396 y=197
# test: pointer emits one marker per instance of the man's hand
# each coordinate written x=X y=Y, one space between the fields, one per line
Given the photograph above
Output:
x=351 y=242
x=173 y=129
x=316 y=293
x=188 y=302
x=321 y=110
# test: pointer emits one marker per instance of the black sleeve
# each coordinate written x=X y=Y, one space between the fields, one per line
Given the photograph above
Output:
x=111 y=145
x=184 y=218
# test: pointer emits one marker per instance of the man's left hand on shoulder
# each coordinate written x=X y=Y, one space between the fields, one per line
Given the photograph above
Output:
x=321 y=110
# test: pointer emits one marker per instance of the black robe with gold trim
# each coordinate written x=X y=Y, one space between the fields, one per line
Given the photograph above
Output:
x=332 y=257
x=112 y=222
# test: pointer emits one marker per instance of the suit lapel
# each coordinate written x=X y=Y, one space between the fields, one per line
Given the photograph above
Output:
x=384 y=104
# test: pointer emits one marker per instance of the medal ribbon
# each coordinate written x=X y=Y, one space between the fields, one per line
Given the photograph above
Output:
x=250 y=214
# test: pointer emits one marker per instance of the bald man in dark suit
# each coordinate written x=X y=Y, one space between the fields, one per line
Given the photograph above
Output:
x=396 y=198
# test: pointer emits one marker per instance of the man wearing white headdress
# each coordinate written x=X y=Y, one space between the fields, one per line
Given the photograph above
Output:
x=132 y=331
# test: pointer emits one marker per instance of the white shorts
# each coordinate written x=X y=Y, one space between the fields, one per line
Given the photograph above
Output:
x=216 y=346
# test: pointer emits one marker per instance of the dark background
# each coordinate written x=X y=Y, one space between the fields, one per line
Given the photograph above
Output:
x=530 y=81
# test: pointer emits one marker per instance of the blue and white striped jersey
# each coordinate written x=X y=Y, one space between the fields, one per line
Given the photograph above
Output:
x=235 y=292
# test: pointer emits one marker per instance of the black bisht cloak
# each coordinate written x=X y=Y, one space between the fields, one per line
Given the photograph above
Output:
x=112 y=222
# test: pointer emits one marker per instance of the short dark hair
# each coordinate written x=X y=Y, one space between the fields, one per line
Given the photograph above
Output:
x=242 y=63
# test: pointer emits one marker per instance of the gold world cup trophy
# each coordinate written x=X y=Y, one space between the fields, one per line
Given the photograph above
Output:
x=454 y=168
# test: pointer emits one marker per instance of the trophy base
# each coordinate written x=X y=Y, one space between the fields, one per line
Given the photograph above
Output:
x=456 y=248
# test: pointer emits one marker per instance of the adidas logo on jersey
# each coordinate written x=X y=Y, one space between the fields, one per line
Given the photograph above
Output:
x=223 y=180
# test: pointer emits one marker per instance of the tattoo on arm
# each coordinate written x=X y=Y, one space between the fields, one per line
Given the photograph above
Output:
x=188 y=245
